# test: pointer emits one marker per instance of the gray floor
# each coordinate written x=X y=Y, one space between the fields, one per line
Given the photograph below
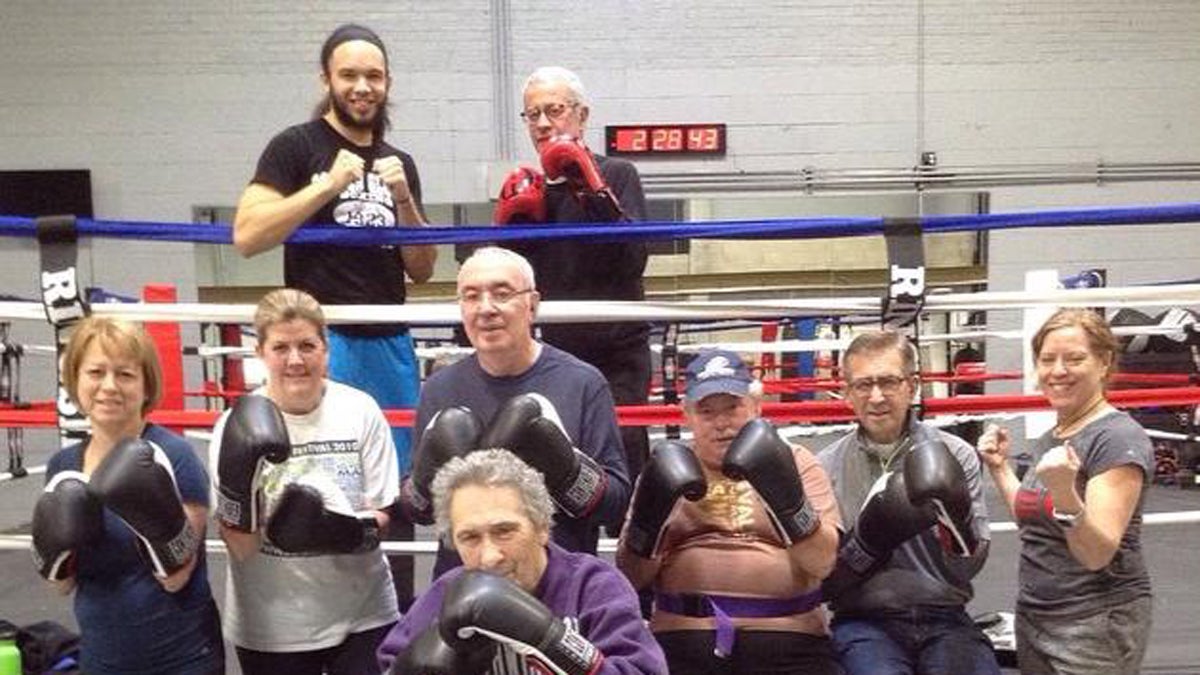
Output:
x=1173 y=552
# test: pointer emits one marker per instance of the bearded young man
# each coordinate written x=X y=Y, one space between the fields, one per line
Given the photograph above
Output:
x=337 y=169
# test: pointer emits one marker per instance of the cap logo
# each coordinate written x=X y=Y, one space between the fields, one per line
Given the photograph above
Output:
x=718 y=366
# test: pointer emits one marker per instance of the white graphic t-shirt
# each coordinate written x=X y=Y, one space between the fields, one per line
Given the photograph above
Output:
x=281 y=602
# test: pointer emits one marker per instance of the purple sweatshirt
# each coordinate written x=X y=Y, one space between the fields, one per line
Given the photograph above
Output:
x=578 y=587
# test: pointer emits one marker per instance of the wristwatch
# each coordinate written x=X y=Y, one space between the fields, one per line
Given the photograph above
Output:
x=1065 y=520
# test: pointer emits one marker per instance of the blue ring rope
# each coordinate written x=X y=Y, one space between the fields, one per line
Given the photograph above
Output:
x=768 y=228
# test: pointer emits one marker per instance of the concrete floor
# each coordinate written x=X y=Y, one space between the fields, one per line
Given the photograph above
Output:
x=1173 y=552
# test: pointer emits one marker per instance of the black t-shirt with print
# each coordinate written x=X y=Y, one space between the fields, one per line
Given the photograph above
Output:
x=340 y=275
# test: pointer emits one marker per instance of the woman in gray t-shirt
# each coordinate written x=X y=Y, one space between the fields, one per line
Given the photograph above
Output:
x=1084 y=603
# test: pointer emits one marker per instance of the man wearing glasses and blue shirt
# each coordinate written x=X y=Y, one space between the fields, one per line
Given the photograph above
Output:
x=916 y=529
x=549 y=408
x=579 y=186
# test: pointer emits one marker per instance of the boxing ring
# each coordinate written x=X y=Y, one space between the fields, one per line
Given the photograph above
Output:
x=797 y=418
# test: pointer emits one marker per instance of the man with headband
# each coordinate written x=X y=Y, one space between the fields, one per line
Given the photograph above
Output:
x=337 y=169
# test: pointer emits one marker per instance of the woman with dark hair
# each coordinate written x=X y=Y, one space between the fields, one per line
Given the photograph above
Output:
x=1084 y=604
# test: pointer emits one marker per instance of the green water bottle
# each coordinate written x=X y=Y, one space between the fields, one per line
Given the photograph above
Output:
x=10 y=656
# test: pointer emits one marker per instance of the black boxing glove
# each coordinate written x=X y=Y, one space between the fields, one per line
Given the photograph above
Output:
x=672 y=471
x=528 y=426
x=314 y=516
x=887 y=520
x=254 y=432
x=451 y=432
x=934 y=477
x=136 y=482
x=480 y=604
x=429 y=654
x=758 y=455
x=67 y=517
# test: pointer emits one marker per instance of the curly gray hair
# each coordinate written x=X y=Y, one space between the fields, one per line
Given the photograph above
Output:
x=494 y=467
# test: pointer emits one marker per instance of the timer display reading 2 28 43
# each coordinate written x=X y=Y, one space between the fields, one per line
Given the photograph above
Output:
x=665 y=139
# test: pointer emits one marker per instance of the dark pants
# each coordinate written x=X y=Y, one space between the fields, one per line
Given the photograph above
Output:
x=920 y=641
x=762 y=652
x=401 y=529
x=628 y=373
x=354 y=656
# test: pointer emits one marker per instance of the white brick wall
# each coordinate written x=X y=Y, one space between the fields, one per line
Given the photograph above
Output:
x=170 y=102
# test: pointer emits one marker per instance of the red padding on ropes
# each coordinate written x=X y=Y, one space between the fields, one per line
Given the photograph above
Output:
x=788 y=385
x=1180 y=379
x=653 y=415
x=233 y=377
x=170 y=348
x=770 y=331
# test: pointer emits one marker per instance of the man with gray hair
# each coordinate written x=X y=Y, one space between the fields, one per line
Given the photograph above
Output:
x=916 y=526
x=519 y=603
x=579 y=186
x=549 y=408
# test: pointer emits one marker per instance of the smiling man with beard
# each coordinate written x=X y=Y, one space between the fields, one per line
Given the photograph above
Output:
x=337 y=169
x=549 y=408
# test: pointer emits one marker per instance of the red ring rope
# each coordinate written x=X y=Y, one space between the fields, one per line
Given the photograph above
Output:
x=650 y=415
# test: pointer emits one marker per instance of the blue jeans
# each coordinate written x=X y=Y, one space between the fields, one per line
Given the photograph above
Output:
x=919 y=641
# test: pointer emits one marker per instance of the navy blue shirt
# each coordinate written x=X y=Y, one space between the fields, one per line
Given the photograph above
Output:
x=129 y=624
x=584 y=404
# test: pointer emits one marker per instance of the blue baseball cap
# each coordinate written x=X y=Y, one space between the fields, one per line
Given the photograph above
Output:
x=716 y=371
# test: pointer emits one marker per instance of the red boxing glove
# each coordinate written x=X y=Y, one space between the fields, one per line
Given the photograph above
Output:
x=567 y=159
x=522 y=198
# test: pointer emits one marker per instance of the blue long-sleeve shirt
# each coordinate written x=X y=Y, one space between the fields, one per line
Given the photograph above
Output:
x=585 y=406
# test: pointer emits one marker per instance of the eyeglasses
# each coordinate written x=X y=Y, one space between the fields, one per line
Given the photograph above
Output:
x=888 y=385
x=552 y=111
x=499 y=296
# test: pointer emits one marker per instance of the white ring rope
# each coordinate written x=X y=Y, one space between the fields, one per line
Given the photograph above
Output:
x=595 y=310
x=32 y=471
x=576 y=311
x=1170 y=435
x=749 y=347
x=18 y=542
